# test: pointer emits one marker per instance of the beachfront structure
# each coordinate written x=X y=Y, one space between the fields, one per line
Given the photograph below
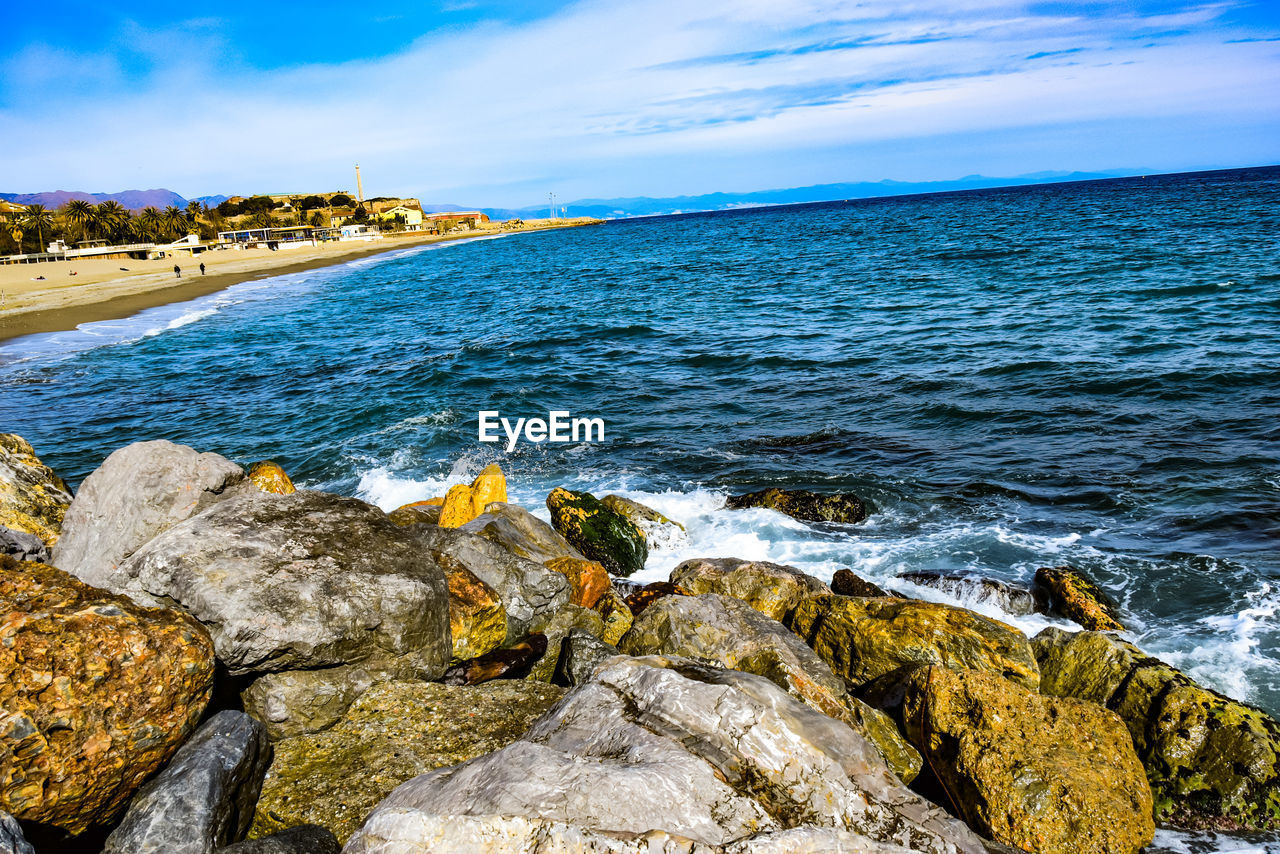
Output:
x=359 y=231
x=439 y=223
x=412 y=217
x=288 y=235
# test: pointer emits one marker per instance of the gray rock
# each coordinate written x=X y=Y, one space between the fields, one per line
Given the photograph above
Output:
x=771 y=588
x=1010 y=598
x=300 y=581
x=11 y=839
x=204 y=798
x=304 y=839
x=530 y=592
x=304 y=701
x=708 y=755
x=570 y=618
x=521 y=533
x=23 y=546
x=814 y=840
x=580 y=653
x=138 y=492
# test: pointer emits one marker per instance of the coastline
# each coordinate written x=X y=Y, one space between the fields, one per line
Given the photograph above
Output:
x=58 y=309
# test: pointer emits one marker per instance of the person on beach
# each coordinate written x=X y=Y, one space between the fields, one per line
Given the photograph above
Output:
x=202 y=268
x=177 y=271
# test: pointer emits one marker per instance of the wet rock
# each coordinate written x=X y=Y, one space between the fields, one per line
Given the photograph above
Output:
x=1044 y=774
x=843 y=507
x=588 y=580
x=204 y=798
x=650 y=593
x=12 y=840
x=521 y=533
x=846 y=583
x=1213 y=763
x=862 y=639
x=463 y=503
x=598 y=532
x=303 y=839
x=513 y=662
x=393 y=733
x=617 y=616
x=301 y=701
x=729 y=633
x=1071 y=594
x=301 y=581
x=770 y=588
x=659 y=531
x=270 y=477
x=33 y=500
x=580 y=653
x=139 y=492
x=417 y=513
x=477 y=619
x=1010 y=598
x=96 y=693
x=23 y=546
x=664 y=745
x=570 y=618
x=530 y=592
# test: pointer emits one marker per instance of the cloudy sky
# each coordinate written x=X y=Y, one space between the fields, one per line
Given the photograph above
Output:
x=498 y=103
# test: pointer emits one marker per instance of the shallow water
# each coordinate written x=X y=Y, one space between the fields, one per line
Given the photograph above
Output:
x=1084 y=374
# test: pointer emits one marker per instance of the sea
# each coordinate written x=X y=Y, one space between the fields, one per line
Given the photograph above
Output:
x=1084 y=374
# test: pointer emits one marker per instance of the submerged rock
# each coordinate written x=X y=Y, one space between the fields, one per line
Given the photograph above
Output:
x=588 y=580
x=598 y=532
x=846 y=583
x=477 y=619
x=96 y=693
x=1213 y=763
x=1071 y=594
x=659 y=531
x=770 y=588
x=204 y=798
x=33 y=500
x=1010 y=598
x=862 y=639
x=270 y=477
x=843 y=507
x=513 y=662
x=393 y=733
x=655 y=745
x=297 y=702
x=521 y=533
x=1043 y=774
x=23 y=546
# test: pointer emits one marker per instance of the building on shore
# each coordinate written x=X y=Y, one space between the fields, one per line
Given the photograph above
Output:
x=286 y=236
x=442 y=223
x=410 y=216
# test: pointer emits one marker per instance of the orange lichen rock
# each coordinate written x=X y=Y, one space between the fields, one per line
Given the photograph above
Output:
x=477 y=620
x=588 y=580
x=458 y=508
x=489 y=486
x=33 y=499
x=270 y=477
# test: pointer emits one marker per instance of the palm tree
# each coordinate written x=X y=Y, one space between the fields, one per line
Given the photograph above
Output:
x=82 y=214
x=150 y=222
x=262 y=219
x=175 y=222
x=112 y=217
x=195 y=210
x=37 y=217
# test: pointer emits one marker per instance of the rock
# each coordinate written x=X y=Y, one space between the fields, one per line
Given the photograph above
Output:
x=1072 y=595
x=12 y=840
x=417 y=513
x=598 y=532
x=303 y=839
x=513 y=662
x=393 y=733
x=845 y=583
x=270 y=477
x=458 y=508
x=650 y=593
x=663 y=745
x=139 y=492
x=301 y=701
x=530 y=592
x=806 y=506
x=477 y=620
x=864 y=638
x=33 y=500
x=659 y=531
x=617 y=616
x=1044 y=774
x=1213 y=763
x=588 y=580
x=1010 y=598
x=770 y=588
x=580 y=653
x=570 y=618
x=20 y=545
x=301 y=581
x=729 y=633
x=489 y=486
x=521 y=533
x=96 y=693
x=204 y=798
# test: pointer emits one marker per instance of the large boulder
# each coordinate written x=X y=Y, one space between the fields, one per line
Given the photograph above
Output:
x=531 y=593
x=598 y=532
x=1010 y=598
x=204 y=798
x=580 y=653
x=844 y=507
x=588 y=580
x=477 y=618
x=393 y=733
x=521 y=533
x=301 y=581
x=1072 y=594
x=727 y=632
x=138 y=492
x=659 y=531
x=1213 y=763
x=1043 y=774
x=96 y=693
x=666 y=745
x=297 y=702
x=569 y=619
x=862 y=639
x=770 y=588
x=463 y=503
x=33 y=500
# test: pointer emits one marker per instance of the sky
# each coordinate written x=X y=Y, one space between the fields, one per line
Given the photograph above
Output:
x=499 y=103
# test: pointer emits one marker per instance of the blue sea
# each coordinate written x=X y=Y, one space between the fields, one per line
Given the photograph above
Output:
x=1084 y=374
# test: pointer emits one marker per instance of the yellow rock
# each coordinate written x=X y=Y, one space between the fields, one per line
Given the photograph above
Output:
x=430 y=502
x=477 y=620
x=33 y=499
x=489 y=486
x=459 y=507
x=269 y=477
x=617 y=616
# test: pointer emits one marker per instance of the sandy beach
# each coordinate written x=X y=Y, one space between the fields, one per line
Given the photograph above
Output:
x=55 y=296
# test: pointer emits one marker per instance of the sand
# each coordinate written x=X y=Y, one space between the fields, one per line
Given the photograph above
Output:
x=107 y=289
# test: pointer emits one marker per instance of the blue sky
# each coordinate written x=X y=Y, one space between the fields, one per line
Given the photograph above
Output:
x=499 y=103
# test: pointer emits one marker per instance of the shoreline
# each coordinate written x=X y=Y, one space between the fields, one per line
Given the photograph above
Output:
x=125 y=296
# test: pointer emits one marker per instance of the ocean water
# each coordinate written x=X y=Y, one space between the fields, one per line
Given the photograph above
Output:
x=1085 y=374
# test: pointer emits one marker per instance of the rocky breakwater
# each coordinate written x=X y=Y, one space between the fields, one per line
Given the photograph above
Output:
x=33 y=501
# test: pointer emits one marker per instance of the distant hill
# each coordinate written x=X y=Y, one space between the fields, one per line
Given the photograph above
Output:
x=210 y=201
x=134 y=200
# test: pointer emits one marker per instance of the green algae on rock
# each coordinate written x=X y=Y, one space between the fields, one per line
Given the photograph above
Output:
x=806 y=506
x=598 y=532
x=1073 y=595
